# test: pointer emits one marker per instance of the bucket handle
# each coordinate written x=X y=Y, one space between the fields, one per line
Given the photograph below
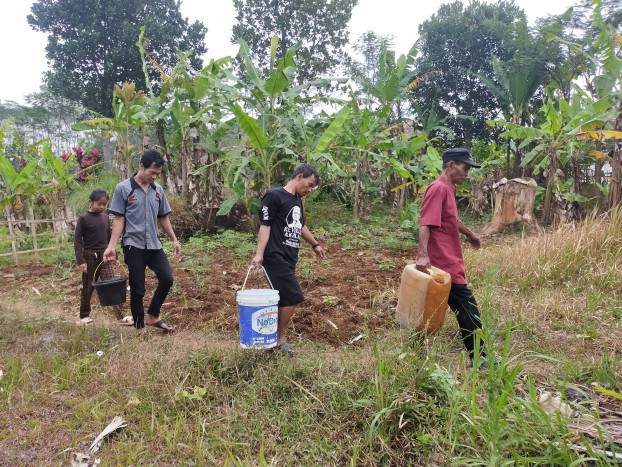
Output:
x=99 y=265
x=264 y=271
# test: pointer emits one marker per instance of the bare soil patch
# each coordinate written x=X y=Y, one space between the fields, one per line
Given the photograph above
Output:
x=354 y=290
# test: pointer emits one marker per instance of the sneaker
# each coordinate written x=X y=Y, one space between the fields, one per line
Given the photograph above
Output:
x=86 y=320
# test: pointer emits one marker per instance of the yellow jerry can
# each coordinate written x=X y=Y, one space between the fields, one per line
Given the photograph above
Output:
x=423 y=299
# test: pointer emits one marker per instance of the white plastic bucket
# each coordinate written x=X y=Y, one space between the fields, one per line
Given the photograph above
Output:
x=258 y=311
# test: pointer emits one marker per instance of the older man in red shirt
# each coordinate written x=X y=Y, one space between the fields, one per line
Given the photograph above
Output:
x=439 y=240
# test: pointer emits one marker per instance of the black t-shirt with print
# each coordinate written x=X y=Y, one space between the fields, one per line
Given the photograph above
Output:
x=282 y=211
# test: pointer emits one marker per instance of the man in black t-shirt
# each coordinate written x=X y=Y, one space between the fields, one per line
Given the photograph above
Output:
x=282 y=227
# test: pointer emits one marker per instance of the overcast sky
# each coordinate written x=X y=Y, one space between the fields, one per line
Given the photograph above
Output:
x=22 y=53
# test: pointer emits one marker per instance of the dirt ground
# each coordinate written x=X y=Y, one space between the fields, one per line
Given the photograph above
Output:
x=355 y=291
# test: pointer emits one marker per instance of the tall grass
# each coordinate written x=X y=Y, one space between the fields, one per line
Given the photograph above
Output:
x=78 y=199
x=195 y=398
x=561 y=289
x=586 y=255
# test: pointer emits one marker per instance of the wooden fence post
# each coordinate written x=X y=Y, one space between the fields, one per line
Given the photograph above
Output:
x=54 y=226
x=8 y=218
x=33 y=228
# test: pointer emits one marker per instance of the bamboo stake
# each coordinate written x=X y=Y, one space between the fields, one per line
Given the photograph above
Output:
x=38 y=221
x=18 y=237
x=8 y=218
x=28 y=251
x=66 y=219
x=54 y=227
x=33 y=228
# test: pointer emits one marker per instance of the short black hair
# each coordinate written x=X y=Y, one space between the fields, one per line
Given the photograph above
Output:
x=98 y=194
x=306 y=170
x=150 y=157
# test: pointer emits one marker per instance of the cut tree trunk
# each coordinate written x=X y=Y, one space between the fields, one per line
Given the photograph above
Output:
x=514 y=200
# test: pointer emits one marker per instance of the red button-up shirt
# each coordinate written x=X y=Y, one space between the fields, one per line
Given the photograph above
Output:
x=439 y=211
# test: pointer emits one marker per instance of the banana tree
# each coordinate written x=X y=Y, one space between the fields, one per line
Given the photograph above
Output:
x=555 y=139
x=391 y=86
x=430 y=122
x=518 y=83
x=127 y=105
x=189 y=117
x=247 y=163
x=605 y=58
x=608 y=61
x=57 y=175
x=128 y=109
x=17 y=183
x=275 y=132
x=363 y=131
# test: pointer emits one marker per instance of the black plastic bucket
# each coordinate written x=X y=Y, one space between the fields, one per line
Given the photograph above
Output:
x=111 y=292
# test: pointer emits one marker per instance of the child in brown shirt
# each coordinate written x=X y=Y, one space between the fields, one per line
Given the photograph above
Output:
x=90 y=242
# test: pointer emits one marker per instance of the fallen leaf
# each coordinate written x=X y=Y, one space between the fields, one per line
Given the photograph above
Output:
x=133 y=401
x=116 y=424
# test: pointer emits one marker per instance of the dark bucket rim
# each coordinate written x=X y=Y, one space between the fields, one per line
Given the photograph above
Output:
x=109 y=282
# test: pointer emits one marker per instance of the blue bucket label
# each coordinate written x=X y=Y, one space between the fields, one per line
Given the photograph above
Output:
x=265 y=321
x=258 y=326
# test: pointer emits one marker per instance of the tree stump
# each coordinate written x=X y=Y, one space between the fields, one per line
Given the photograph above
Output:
x=514 y=200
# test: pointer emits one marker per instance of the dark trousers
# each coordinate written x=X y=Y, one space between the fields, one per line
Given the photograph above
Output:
x=137 y=260
x=95 y=272
x=463 y=304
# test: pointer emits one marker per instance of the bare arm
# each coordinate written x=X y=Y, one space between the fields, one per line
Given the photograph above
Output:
x=262 y=240
x=165 y=223
x=308 y=237
x=78 y=245
x=473 y=239
x=117 y=230
x=423 y=262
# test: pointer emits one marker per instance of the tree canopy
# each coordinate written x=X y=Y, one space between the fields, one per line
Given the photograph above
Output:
x=458 y=42
x=92 y=45
x=320 y=25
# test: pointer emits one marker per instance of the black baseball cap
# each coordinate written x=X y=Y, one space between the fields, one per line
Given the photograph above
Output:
x=459 y=155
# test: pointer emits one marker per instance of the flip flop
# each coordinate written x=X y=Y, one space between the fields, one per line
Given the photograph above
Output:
x=159 y=325
x=283 y=349
x=126 y=321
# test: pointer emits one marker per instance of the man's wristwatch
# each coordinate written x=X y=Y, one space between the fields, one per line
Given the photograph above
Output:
x=314 y=246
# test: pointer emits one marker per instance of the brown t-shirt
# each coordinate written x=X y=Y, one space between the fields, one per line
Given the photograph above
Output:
x=92 y=233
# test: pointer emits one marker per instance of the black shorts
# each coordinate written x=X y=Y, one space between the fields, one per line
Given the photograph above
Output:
x=284 y=280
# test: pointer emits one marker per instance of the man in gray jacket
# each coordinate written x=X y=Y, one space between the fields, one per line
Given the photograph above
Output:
x=138 y=205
